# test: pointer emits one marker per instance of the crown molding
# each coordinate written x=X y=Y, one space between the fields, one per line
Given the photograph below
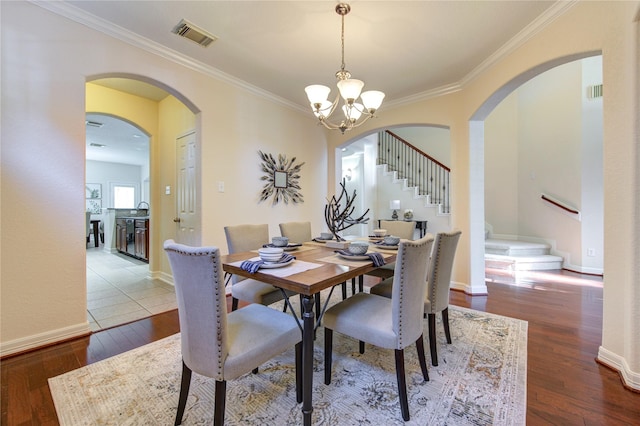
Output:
x=75 y=14
x=547 y=17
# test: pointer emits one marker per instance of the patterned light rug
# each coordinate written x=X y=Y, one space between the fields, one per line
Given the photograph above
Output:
x=480 y=380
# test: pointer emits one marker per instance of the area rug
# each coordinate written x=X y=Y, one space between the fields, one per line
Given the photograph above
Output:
x=480 y=380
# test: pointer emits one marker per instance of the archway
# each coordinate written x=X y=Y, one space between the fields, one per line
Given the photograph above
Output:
x=163 y=114
x=477 y=164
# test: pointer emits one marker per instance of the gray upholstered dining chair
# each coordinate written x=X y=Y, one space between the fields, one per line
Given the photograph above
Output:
x=438 y=284
x=88 y=219
x=389 y=323
x=218 y=344
x=297 y=232
x=246 y=238
x=399 y=228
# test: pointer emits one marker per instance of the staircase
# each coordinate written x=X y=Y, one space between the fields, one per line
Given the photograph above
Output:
x=390 y=186
x=520 y=256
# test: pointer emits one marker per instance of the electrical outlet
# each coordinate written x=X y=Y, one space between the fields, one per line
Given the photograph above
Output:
x=591 y=252
x=220 y=186
x=167 y=190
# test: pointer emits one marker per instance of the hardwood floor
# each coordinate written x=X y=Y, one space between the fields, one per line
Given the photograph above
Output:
x=565 y=385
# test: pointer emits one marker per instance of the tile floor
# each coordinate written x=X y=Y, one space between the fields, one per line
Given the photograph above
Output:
x=118 y=290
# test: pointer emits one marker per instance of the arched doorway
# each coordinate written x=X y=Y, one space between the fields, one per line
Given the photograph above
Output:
x=162 y=114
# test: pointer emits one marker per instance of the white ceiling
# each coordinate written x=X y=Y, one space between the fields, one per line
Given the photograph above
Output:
x=122 y=142
x=407 y=49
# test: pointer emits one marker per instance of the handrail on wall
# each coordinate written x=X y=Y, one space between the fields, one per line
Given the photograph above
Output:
x=560 y=205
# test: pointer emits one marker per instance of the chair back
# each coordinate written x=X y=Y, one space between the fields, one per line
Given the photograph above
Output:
x=88 y=216
x=246 y=237
x=440 y=267
x=202 y=307
x=400 y=228
x=297 y=232
x=408 y=290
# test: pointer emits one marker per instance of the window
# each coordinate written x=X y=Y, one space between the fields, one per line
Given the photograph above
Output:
x=124 y=197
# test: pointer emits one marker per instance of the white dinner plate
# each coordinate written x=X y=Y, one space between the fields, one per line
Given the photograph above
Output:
x=387 y=246
x=269 y=265
x=353 y=256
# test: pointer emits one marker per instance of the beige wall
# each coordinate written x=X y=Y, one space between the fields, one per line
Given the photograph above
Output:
x=43 y=273
x=43 y=284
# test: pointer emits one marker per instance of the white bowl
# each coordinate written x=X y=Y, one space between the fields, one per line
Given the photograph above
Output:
x=358 y=247
x=379 y=232
x=280 y=241
x=391 y=240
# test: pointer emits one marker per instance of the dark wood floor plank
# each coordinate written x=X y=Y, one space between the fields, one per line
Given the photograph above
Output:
x=565 y=385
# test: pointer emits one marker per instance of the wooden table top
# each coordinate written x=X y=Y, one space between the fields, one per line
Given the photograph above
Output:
x=334 y=270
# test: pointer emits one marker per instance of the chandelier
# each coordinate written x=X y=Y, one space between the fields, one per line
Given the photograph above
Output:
x=355 y=113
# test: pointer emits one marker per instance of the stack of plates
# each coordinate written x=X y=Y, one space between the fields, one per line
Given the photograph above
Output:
x=270 y=254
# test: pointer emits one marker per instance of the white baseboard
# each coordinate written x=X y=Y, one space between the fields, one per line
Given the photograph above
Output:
x=43 y=339
x=618 y=363
x=162 y=276
x=473 y=291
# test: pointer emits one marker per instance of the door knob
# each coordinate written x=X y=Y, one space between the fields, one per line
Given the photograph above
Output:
x=176 y=220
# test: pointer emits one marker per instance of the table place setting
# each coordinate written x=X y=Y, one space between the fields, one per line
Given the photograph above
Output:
x=274 y=261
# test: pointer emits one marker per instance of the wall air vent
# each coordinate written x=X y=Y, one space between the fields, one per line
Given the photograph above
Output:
x=192 y=32
x=594 y=91
x=94 y=123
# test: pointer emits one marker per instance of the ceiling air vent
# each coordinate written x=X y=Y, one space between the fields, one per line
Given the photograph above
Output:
x=189 y=31
x=97 y=145
x=94 y=123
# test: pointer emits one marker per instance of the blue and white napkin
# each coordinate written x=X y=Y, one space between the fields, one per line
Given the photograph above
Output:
x=375 y=257
x=252 y=266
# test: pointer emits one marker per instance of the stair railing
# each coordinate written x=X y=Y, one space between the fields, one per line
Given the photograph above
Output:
x=420 y=169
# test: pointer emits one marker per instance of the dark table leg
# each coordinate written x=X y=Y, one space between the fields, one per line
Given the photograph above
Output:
x=96 y=242
x=308 y=322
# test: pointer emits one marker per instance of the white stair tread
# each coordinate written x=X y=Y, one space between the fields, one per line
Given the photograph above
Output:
x=523 y=259
x=505 y=244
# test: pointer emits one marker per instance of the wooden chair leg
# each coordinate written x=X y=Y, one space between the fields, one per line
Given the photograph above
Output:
x=299 y=372
x=445 y=322
x=184 y=392
x=218 y=410
x=432 y=339
x=255 y=370
x=328 y=348
x=361 y=347
x=402 y=384
x=421 y=357
x=234 y=303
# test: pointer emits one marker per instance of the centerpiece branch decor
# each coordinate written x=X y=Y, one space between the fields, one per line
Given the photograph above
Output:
x=281 y=179
x=338 y=212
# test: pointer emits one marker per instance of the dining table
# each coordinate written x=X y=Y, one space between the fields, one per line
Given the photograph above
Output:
x=316 y=267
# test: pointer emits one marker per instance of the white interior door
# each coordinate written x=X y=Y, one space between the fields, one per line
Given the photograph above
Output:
x=186 y=219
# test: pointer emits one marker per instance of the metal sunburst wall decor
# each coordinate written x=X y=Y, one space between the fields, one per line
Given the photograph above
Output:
x=281 y=179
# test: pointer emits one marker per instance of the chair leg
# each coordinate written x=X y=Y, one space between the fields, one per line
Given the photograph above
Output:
x=299 y=372
x=361 y=283
x=353 y=286
x=432 y=339
x=218 y=410
x=361 y=347
x=445 y=322
x=344 y=290
x=184 y=392
x=234 y=303
x=328 y=348
x=255 y=370
x=421 y=357
x=402 y=384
